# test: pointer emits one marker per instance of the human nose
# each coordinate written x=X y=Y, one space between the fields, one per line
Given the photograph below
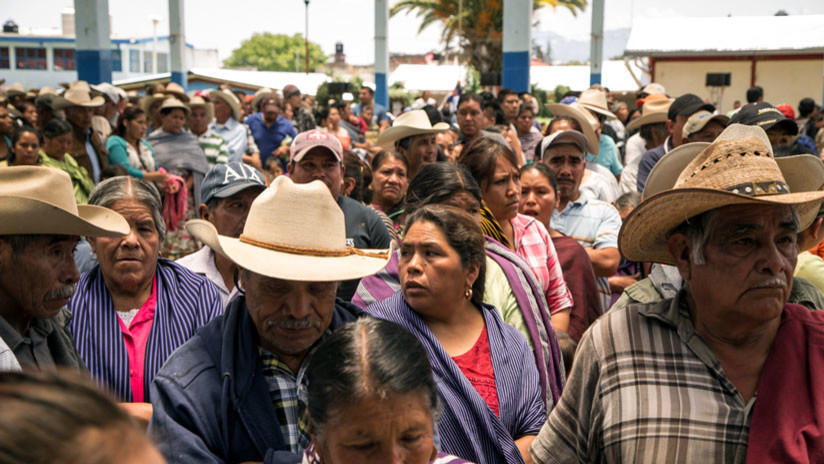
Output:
x=299 y=304
x=130 y=240
x=415 y=263
x=71 y=274
x=773 y=260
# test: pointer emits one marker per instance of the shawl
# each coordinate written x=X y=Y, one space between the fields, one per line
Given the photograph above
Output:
x=466 y=426
x=174 y=205
x=492 y=228
x=180 y=152
x=185 y=301
x=580 y=278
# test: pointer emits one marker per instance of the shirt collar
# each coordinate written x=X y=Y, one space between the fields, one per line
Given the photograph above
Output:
x=230 y=123
x=203 y=262
x=38 y=328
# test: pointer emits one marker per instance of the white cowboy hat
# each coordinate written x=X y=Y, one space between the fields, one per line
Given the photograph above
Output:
x=585 y=119
x=294 y=232
x=737 y=169
x=173 y=102
x=196 y=102
x=411 y=123
x=229 y=98
x=595 y=100
x=15 y=89
x=40 y=200
x=77 y=96
x=653 y=111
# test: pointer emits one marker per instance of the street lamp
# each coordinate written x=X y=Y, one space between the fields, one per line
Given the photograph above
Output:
x=155 y=21
x=306 y=36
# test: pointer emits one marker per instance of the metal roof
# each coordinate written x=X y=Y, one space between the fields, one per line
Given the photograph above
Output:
x=249 y=80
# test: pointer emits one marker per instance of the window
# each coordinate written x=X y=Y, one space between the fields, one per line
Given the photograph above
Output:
x=134 y=61
x=63 y=59
x=5 y=63
x=162 y=62
x=31 y=58
x=147 y=62
x=117 y=61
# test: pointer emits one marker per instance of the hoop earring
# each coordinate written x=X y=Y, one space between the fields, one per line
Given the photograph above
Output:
x=468 y=293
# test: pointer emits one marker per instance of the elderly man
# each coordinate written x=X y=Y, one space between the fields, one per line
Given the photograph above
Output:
x=413 y=135
x=227 y=193
x=317 y=155
x=227 y=125
x=87 y=147
x=40 y=225
x=214 y=146
x=237 y=391
x=690 y=366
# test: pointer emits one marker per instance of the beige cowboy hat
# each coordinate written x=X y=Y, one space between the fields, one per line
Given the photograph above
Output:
x=260 y=95
x=294 y=232
x=147 y=102
x=653 y=111
x=174 y=89
x=586 y=120
x=737 y=169
x=595 y=100
x=46 y=90
x=171 y=103
x=229 y=98
x=15 y=89
x=199 y=102
x=77 y=96
x=40 y=200
x=411 y=123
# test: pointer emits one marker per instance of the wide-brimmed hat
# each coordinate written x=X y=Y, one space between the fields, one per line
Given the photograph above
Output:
x=107 y=90
x=196 y=102
x=260 y=95
x=229 y=98
x=147 y=102
x=595 y=100
x=564 y=137
x=415 y=122
x=294 y=232
x=585 y=119
x=15 y=89
x=171 y=103
x=737 y=169
x=77 y=96
x=40 y=200
x=653 y=112
x=174 y=89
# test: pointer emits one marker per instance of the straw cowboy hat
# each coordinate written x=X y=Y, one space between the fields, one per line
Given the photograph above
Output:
x=229 y=98
x=174 y=89
x=77 y=96
x=15 y=89
x=595 y=100
x=199 y=102
x=414 y=122
x=652 y=112
x=171 y=103
x=40 y=200
x=294 y=232
x=260 y=95
x=737 y=169
x=147 y=102
x=585 y=119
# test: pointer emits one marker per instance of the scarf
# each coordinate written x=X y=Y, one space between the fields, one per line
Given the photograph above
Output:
x=180 y=152
x=492 y=228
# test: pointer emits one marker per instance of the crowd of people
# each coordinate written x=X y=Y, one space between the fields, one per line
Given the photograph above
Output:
x=217 y=276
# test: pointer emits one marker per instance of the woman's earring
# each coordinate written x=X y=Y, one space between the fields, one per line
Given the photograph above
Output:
x=468 y=293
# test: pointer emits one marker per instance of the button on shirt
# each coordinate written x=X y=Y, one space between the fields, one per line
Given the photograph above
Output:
x=32 y=349
x=235 y=135
x=203 y=262
x=269 y=138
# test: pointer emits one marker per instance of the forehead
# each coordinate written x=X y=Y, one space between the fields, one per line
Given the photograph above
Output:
x=423 y=230
x=731 y=218
x=469 y=105
x=564 y=150
x=131 y=208
x=511 y=98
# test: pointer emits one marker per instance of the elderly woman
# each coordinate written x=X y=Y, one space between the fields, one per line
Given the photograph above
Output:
x=494 y=167
x=488 y=384
x=55 y=153
x=389 y=184
x=510 y=287
x=134 y=309
x=359 y=378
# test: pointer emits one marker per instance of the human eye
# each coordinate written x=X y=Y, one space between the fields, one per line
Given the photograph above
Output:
x=412 y=438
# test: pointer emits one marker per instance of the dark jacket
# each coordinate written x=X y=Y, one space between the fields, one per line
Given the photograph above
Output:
x=648 y=161
x=79 y=153
x=211 y=401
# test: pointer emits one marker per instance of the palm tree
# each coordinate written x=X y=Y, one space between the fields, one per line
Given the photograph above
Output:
x=477 y=24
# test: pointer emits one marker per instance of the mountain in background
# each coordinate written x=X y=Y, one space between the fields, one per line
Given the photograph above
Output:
x=563 y=50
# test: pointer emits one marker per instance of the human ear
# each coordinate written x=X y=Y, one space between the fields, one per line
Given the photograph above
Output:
x=473 y=271
x=679 y=247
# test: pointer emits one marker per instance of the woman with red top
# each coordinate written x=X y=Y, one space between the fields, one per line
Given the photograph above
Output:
x=333 y=127
x=486 y=377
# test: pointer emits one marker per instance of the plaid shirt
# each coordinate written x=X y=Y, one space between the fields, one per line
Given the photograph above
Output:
x=534 y=245
x=289 y=395
x=646 y=389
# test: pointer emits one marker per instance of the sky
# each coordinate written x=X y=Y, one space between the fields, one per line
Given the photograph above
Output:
x=224 y=24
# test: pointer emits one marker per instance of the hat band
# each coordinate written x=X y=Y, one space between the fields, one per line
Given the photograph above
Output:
x=755 y=189
x=307 y=251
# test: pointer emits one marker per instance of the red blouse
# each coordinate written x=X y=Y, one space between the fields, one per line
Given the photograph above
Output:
x=476 y=366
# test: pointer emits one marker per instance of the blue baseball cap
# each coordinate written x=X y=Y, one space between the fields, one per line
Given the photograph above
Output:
x=225 y=180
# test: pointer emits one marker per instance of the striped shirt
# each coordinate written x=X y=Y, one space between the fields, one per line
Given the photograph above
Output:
x=289 y=397
x=646 y=389
x=215 y=147
x=534 y=245
x=185 y=301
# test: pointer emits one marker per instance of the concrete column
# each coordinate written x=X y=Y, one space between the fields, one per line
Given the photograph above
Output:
x=596 y=51
x=93 y=47
x=517 y=44
x=177 y=43
x=381 y=53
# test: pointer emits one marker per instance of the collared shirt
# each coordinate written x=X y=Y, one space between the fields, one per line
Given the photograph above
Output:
x=215 y=147
x=269 y=138
x=8 y=362
x=203 y=262
x=135 y=336
x=235 y=135
x=645 y=388
x=31 y=349
x=289 y=397
x=607 y=155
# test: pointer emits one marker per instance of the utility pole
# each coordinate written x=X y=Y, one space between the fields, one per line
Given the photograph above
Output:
x=381 y=52
x=596 y=51
x=177 y=43
x=517 y=44
x=306 y=36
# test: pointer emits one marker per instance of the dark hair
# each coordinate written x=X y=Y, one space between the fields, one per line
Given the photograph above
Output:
x=436 y=183
x=523 y=107
x=371 y=92
x=272 y=99
x=503 y=93
x=647 y=130
x=754 y=93
x=113 y=170
x=462 y=233
x=433 y=114
x=467 y=97
x=805 y=107
x=60 y=417
x=385 y=154
x=481 y=156
x=545 y=171
x=130 y=113
x=498 y=112
x=22 y=130
x=573 y=123
x=55 y=128
x=354 y=170
x=341 y=106
x=366 y=357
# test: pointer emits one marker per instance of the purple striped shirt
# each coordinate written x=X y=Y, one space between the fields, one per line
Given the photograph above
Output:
x=185 y=301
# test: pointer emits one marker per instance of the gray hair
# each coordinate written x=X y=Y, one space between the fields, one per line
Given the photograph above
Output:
x=130 y=188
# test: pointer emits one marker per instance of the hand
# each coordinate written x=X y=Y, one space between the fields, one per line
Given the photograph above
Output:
x=142 y=412
x=282 y=152
x=620 y=283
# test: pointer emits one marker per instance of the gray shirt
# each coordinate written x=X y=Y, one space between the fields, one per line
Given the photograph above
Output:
x=31 y=349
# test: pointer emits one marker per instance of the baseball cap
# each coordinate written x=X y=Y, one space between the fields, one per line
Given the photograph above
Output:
x=564 y=137
x=764 y=115
x=698 y=120
x=686 y=105
x=308 y=140
x=290 y=90
x=225 y=180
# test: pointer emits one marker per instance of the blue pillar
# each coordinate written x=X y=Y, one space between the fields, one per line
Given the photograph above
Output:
x=93 y=48
x=517 y=44
x=381 y=53
x=177 y=43
x=596 y=50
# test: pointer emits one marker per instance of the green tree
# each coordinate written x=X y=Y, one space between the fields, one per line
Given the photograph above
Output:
x=477 y=24
x=275 y=52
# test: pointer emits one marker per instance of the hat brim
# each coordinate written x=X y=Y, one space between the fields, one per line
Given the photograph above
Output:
x=29 y=216
x=560 y=109
x=395 y=133
x=643 y=235
x=606 y=113
x=787 y=124
x=286 y=266
x=652 y=118
x=229 y=101
x=179 y=95
x=61 y=103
